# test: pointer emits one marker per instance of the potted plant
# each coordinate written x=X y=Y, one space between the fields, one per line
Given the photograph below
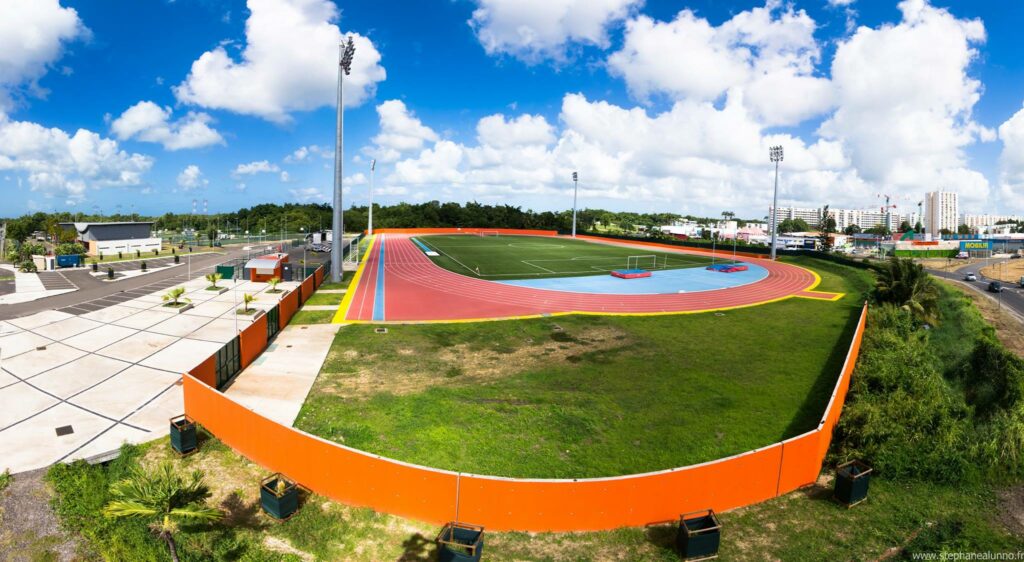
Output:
x=699 y=535
x=119 y=256
x=110 y=273
x=246 y=299
x=156 y=252
x=213 y=278
x=273 y=281
x=460 y=542
x=279 y=496
x=96 y=264
x=174 y=300
x=852 y=480
x=138 y=253
x=177 y=258
x=143 y=266
x=183 y=435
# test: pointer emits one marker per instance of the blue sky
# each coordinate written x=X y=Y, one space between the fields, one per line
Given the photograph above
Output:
x=660 y=105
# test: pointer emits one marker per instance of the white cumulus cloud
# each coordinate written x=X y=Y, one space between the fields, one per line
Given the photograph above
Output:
x=289 y=63
x=905 y=99
x=32 y=37
x=401 y=132
x=258 y=167
x=191 y=178
x=767 y=52
x=532 y=30
x=148 y=122
x=309 y=195
x=67 y=165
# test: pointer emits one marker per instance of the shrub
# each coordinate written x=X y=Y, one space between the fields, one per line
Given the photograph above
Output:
x=69 y=249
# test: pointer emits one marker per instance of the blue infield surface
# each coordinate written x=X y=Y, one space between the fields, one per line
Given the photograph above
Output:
x=689 y=280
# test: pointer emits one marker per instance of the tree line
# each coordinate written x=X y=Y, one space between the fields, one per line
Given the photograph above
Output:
x=290 y=217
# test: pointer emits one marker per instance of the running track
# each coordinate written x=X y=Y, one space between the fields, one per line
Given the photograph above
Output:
x=413 y=289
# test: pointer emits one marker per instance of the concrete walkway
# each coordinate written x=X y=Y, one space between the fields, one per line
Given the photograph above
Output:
x=77 y=386
x=29 y=287
x=277 y=383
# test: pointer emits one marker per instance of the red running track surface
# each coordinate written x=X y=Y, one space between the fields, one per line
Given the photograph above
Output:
x=417 y=290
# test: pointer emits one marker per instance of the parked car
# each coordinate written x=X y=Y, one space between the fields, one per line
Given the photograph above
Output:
x=995 y=287
x=970 y=276
x=1014 y=256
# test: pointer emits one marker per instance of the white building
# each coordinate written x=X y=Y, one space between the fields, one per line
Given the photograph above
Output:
x=941 y=211
x=811 y=216
x=978 y=221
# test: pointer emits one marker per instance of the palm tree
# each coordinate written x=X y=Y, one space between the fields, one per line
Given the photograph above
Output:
x=906 y=284
x=273 y=281
x=174 y=295
x=213 y=278
x=246 y=299
x=164 y=497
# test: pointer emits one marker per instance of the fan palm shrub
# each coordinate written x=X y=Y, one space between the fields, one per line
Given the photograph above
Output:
x=905 y=284
x=163 y=497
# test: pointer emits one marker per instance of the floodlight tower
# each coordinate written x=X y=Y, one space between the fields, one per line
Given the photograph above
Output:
x=345 y=51
x=575 y=190
x=775 y=154
x=369 y=223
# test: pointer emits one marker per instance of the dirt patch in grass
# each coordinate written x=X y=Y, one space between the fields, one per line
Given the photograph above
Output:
x=944 y=264
x=1010 y=271
x=29 y=530
x=1009 y=329
x=462 y=363
x=1011 y=509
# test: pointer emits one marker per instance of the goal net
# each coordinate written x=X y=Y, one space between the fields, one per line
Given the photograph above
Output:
x=642 y=262
x=487 y=233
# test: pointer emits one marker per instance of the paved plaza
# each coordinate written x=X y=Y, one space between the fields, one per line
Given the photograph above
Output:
x=78 y=385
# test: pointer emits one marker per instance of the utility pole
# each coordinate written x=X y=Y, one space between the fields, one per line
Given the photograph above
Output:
x=775 y=153
x=369 y=224
x=575 y=190
x=345 y=51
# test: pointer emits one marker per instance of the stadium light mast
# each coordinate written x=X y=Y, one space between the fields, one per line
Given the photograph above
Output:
x=373 y=165
x=775 y=153
x=345 y=52
x=575 y=190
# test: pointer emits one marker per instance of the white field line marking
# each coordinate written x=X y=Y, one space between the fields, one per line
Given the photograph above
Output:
x=527 y=262
x=450 y=257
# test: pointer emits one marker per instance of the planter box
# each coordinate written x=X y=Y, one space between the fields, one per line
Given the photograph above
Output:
x=279 y=506
x=852 y=480
x=699 y=535
x=178 y=309
x=217 y=290
x=183 y=435
x=460 y=542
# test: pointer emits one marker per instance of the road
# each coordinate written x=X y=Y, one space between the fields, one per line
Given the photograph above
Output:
x=1012 y=296
x=93 y=294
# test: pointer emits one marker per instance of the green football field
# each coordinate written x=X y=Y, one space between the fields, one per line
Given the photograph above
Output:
x=527 y=257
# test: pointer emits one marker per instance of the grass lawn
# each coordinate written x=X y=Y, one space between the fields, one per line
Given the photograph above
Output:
x=586 y=396
x=512 y=257
x=319 y=298
x=900 y=518
x=313 y=317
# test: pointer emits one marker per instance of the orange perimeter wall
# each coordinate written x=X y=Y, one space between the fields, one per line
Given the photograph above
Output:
x=509 y=231
x=318 y=276
x=287 y=307
x=720 y=252
x=308 y=286
x=435 y=496
x=252 y=341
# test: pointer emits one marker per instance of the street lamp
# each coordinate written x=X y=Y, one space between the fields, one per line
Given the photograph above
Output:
x=775 y=153
x=575 y=189
x=345 y=50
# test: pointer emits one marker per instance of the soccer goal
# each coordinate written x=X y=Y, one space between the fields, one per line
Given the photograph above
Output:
x=488 y=233
x=642 y=262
